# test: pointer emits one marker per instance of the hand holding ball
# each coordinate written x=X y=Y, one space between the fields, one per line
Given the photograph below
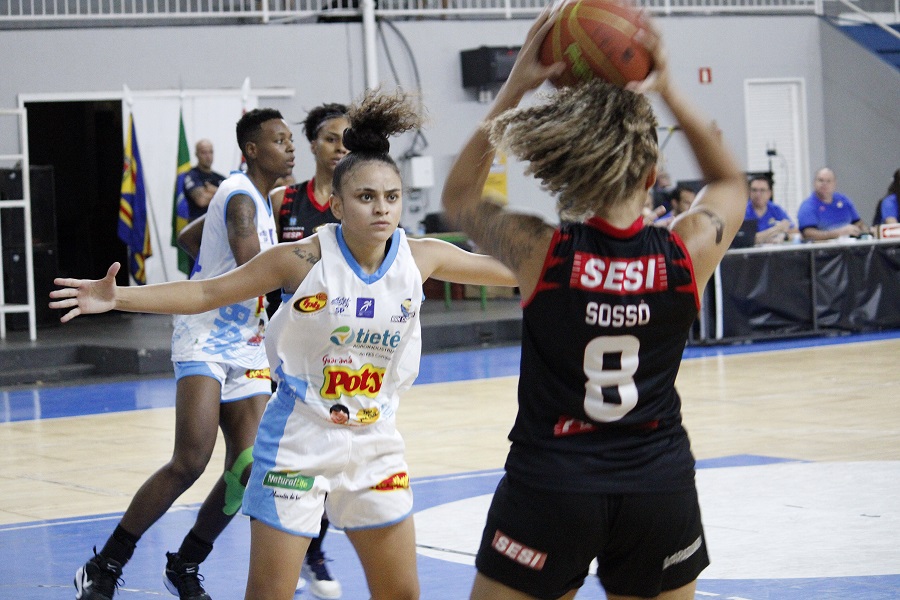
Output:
x=595 y=38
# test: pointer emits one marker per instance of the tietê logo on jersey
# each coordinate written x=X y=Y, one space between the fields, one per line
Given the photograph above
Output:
x=344 y=381
x=619 y=276
x=311 y=304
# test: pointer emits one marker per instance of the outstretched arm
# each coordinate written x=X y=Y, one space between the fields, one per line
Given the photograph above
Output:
x=441 y=260
x=518 y=241
x=277 y=267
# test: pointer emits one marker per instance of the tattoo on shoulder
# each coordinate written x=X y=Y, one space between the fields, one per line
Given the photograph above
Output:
x=241 y=216
x=716 y=221
x=306 y=256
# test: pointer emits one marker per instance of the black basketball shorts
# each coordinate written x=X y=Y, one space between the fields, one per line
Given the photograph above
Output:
x=542 y=542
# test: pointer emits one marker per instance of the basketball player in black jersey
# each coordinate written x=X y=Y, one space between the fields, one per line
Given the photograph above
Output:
x=600 y=465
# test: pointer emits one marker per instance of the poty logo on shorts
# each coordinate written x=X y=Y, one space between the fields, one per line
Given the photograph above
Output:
x=344 y=381
x=397 y=481
x=288 y=480
x=258 y=374
x=365 y=308
x=311 y=304
x=525 y=556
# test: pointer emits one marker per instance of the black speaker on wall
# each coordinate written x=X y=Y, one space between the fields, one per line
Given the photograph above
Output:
x=44 y=245
x=487 y=66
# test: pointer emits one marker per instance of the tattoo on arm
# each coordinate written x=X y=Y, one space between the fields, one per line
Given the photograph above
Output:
x=509 y=238
x=241 y=217
x=716 y=221
x=306 y=256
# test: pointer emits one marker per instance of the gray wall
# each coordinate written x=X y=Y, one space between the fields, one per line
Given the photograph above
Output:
x=862 y=119
x=324 y=62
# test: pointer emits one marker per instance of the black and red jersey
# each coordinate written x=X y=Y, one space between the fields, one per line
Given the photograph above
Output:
x=602 y=340
x=300 y=215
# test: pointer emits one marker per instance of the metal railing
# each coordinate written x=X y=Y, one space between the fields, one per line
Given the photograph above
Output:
x=79 y=13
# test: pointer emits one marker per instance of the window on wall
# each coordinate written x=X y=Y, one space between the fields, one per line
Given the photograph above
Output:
x=777 y=138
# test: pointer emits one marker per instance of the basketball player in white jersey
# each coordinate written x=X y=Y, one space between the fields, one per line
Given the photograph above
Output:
x=343 y=347
x=221 y=370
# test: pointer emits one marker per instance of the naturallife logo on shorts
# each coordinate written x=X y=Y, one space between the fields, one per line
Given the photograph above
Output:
x=288 y=480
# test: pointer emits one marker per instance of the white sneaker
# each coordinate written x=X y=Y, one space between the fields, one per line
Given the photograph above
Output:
x=321 y=583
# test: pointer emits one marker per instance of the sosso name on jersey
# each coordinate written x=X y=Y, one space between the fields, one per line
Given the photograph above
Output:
x=619 y=276
x=607 y=315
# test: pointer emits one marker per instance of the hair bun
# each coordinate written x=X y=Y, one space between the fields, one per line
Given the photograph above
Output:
x=361 y=139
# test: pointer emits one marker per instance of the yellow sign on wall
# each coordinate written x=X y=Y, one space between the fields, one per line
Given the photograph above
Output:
x=495 y=186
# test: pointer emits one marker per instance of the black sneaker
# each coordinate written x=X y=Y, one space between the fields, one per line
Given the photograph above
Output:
x=183 y=579
x=97 y=579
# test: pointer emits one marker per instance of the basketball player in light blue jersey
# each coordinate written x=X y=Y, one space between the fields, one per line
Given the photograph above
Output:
x=221 y=371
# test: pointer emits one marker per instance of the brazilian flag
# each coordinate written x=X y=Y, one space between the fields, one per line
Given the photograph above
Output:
x=179 y=201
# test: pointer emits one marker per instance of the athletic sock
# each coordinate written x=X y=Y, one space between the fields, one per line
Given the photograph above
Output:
x=120 y=545
x=194 y=549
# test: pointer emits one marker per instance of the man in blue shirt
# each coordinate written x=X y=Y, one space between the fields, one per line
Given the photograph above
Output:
x=827 y=214
x=772 y=223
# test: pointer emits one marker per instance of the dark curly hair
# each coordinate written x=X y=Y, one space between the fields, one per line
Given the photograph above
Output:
x=373 y=119
x=319 y=115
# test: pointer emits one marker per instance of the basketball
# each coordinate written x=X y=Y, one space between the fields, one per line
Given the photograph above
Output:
x=595 y=38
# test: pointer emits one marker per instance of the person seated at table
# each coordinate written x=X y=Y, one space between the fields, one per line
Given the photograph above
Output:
x=773 y=224
x=827 y=214
x=888 y=211
x=682 y=198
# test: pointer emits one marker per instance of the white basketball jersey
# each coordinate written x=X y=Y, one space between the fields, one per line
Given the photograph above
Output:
x=347 y=344
x=232 y=334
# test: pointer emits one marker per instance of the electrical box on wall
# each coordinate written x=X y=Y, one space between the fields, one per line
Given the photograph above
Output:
x=419 y=173
x=487 y=66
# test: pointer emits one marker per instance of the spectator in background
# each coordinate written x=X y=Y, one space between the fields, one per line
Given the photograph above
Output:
x=772 y=223
x=201 y=182
x=682 y=199
x=662 y=191
x=887 y=210
x=827 y=214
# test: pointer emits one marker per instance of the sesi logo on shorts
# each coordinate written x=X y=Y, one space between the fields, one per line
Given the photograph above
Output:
x=525 y=556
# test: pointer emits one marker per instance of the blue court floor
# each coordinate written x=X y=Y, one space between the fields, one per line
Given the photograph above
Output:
x=846 y=548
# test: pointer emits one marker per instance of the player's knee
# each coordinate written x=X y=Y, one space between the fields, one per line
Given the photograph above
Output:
x=187 y=469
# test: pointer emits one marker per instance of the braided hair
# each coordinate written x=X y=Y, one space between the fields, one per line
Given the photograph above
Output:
x=592 y=145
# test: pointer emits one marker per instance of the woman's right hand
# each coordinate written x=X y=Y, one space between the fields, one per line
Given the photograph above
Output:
x=528 y=72
x=86 y=296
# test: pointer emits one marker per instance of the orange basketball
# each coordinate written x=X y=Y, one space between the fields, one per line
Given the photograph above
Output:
x=595 y=38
